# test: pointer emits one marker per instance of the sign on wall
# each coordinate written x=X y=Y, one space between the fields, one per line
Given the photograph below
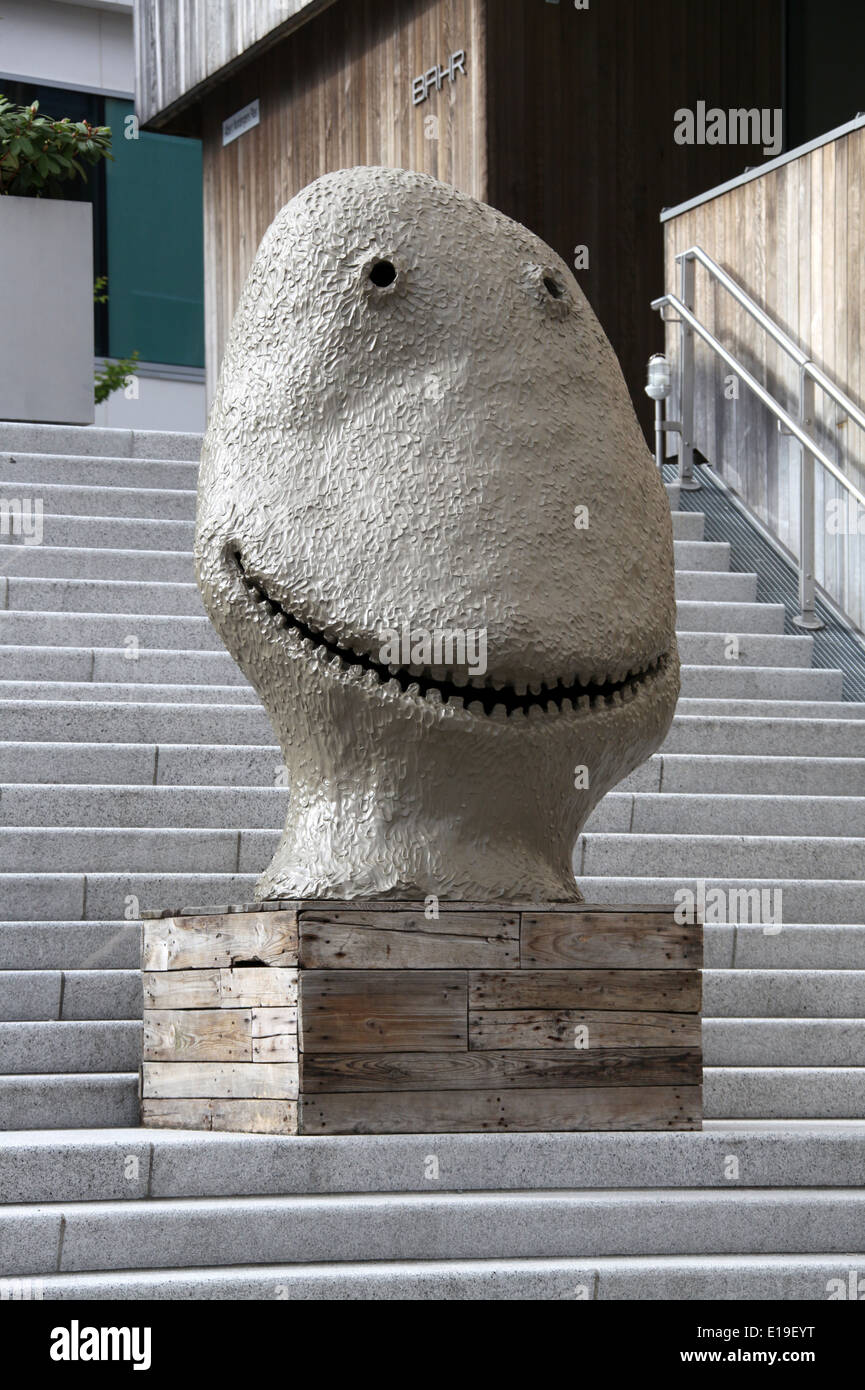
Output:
x=242 y=121
x=435 y=76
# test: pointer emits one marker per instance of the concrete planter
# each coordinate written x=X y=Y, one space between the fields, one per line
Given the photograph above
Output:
x=46 y=344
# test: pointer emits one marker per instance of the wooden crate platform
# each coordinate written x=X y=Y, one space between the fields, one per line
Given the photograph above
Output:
x=376 y=1018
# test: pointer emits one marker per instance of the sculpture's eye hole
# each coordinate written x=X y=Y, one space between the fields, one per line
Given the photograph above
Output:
x=553 y=287
x=383 y=273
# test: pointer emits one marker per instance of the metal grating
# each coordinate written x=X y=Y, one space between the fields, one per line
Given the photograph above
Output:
x=836 y=646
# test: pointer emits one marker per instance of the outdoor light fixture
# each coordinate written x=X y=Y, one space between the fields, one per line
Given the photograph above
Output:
x=660 y=381
x=659 y=384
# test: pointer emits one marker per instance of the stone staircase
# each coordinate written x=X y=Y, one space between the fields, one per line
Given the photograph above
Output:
x=119 y=707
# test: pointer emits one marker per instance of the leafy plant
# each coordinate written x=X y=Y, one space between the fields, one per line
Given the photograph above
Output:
x=114 y=375
x=38 y=155
x=100 y=289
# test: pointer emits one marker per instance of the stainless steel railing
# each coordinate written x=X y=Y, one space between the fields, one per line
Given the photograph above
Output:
x=810 y=375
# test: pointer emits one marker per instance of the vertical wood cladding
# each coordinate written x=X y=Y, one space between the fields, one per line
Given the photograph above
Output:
x=580 y=120
x=336 y=94
x=795 y=240
x=564 y=121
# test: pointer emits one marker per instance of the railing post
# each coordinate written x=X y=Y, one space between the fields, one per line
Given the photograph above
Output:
x=807 y=616
x=659 y=436
x=686 y=379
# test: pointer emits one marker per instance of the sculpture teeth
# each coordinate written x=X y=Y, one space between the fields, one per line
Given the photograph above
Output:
x=599 y=702
x=520 y=687
x=434 y=696
x=616 y=698
x=479 y=682
x=535 y=712
x=535 y=687
x=499 y=713
x=460 y=678
x=476 y=707
x=585 y=676
x=518 y=713
x=567 y=705
x=394 y=670
x=457 y=700
x=415 y=669
x=497 y=683
x=412 y=688
x=584 y=703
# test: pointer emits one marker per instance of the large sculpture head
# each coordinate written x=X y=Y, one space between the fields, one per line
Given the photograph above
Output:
x=432 y=536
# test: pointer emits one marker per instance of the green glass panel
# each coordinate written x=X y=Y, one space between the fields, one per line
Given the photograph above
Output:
x=155 y=250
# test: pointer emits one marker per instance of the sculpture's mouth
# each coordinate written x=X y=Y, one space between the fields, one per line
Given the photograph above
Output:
x=479 y=695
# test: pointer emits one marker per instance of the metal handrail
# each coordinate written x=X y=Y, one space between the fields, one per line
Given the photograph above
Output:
x=802 y=360
x=809 y=376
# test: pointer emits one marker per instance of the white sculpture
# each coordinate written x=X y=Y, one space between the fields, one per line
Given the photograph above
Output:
x=421 y=428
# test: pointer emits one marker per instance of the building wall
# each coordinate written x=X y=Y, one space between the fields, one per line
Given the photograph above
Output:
x=78 y=60
x=335 y=94
x=565 y=122
x=581 y=125
x=794 y=238
x=69 y=45
x=182 y=44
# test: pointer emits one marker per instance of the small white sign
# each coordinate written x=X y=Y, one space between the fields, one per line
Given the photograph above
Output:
x=242 y=121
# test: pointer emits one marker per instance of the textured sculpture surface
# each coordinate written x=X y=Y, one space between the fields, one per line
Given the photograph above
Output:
x=422 y=433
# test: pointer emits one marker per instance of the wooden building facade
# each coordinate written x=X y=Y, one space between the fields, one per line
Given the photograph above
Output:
x=560 y=114
x=793 y=236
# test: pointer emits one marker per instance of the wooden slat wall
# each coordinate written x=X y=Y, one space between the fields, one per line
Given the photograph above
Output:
x=180 y=44
x=354 y=107
x=795 y=240
x=581 y=121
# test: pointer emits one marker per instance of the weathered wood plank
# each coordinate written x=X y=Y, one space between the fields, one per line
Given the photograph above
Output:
x=274 y=1035
x=183 y=943
x=557 y=1028
x=213 y=989
x=181 y=989
x=229 y=1080
x=258 y=988
x=238 y=1116
x=676 y=991
x=426 y=1112
x=220 y=1035
x=203 y=1035
x=447 y=1071
x=408 y=940
x=628 y=939
x=383 y=1010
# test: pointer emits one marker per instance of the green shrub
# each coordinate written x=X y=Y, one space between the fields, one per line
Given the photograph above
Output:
x=114 y=375
x=38 y=155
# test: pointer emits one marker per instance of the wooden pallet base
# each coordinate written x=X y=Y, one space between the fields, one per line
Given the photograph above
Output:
x=379 y=1018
